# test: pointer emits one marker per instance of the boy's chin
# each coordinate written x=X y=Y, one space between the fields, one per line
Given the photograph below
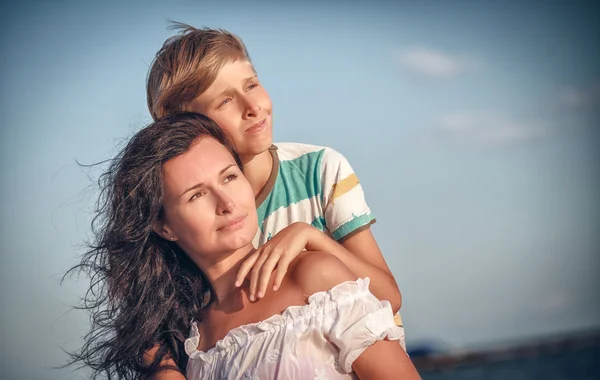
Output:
x=257 y=148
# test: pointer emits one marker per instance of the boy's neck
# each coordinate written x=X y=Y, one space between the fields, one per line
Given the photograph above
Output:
x=258 y=170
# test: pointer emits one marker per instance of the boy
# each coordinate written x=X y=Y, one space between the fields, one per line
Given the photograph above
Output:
x=209 y=71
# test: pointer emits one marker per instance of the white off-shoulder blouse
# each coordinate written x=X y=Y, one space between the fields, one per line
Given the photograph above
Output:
x=319 y=340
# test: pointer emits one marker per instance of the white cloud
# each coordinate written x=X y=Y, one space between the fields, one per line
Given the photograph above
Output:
x=487 y=127
x=433 y=63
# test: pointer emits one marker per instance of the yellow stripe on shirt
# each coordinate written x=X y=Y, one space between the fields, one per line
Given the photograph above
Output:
x=344 y=186
x=398 y=319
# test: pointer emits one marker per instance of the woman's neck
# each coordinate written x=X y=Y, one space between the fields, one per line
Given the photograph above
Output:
x=222 y=275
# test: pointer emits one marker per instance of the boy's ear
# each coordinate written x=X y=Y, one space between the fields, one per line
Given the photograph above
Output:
x=163 y=230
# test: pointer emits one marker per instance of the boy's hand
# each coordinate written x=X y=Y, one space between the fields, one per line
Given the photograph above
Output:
x=277 y=252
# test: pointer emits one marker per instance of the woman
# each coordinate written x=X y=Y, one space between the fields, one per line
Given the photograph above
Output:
x=176 y=222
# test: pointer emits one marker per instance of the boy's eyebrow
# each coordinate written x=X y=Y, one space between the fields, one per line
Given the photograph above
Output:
x=200 y=184
x=253 y=77
x=228 y=88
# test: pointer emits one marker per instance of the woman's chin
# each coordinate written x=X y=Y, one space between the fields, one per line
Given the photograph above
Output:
x=237 y=242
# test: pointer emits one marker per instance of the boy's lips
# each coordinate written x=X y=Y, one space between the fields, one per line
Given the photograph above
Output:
x=258 y=126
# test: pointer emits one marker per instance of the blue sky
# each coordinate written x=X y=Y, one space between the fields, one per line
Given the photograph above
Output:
x=473 y=127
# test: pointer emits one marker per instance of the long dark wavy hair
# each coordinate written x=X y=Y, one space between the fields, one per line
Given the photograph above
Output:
x=143 y=290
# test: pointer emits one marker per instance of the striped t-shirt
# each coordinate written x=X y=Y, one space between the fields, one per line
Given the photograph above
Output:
x=315 y=185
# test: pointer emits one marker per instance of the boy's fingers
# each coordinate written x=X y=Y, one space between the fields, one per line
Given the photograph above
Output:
x=265 y=273
x=282 y=267
x=245 y=269
x=254 y=276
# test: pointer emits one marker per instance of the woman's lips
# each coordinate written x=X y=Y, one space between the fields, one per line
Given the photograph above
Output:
x=234 y=224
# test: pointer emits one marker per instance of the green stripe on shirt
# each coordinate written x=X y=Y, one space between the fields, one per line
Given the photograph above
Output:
x=352 y=225
x=297 y=179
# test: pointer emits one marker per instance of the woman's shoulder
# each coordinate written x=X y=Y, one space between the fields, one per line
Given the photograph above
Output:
x=316 y=271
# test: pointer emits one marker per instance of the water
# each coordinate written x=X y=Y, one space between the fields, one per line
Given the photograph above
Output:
x=570 y=364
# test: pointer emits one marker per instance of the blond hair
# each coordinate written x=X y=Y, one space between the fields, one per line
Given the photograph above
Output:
x=187 y=64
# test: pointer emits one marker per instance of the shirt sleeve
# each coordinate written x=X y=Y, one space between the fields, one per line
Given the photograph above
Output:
x=344 y=204
x=357 y=320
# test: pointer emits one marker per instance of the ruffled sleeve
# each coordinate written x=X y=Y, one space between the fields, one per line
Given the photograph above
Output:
x=356 y=320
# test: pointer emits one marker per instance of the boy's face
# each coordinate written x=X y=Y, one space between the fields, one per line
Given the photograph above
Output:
x=241 y=106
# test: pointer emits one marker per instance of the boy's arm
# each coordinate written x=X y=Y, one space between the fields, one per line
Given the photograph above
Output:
x=363 y=245
x=348 y=218
x=363 y=262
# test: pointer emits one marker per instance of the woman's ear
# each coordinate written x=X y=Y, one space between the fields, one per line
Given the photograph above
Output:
x=163 y=230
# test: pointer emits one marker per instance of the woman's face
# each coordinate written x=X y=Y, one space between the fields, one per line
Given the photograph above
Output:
x=209 y=207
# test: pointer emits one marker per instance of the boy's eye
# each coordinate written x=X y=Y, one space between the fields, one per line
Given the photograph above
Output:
x=224 y=102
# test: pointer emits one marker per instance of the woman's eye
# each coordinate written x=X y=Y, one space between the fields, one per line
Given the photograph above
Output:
x=253 y=85
x=196 y=195
x=230 y=177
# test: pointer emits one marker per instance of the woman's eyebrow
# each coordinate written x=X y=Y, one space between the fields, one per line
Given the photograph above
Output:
x=200 y=184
